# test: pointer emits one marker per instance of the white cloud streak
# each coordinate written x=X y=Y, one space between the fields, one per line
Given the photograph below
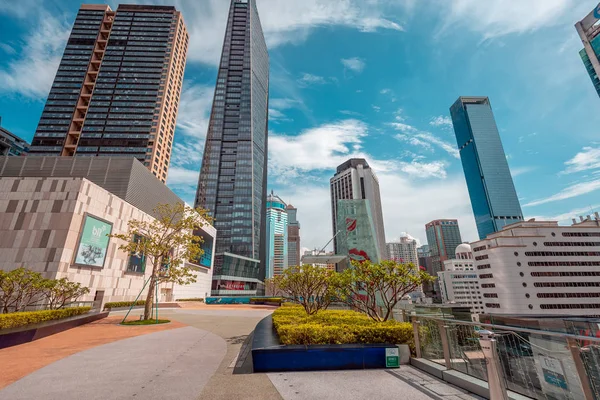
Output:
x=31 y=74
x=569 y=192
x=588 y=158
x=441 y=120
x=354 y=64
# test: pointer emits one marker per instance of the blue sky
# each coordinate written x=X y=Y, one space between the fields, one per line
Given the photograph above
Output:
x=375 y=79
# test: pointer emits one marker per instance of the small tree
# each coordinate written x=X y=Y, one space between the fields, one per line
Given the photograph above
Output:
x=58 y=292
x=365 y=282
x=167 y=242
x=20 y=288
x=272 y=288
x=315 y=288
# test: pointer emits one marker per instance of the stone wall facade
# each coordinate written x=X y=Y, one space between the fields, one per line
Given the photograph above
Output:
x=40 y=224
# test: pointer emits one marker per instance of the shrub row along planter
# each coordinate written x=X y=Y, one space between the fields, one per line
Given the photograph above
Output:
x=276 y=301
x=18 y=319
x=119 y=304
x=196 y=299
x=295 y=327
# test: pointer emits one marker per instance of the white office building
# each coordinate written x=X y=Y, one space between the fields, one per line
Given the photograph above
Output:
x=404 y=251
x=459 y=283
x=356 y=180
x=540 y=269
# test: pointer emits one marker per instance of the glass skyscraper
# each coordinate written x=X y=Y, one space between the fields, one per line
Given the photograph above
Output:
x=443 y=236
x=233 y=177
x=589 y=33
x=293 y=236
x=277 y=236
x=116 y=91
x=491 y=188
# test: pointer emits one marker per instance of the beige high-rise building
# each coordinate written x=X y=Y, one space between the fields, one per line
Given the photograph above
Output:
x=116 y=92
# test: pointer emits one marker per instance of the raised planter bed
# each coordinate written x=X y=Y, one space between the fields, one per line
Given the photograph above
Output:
x=269 y=355
x=29 y=333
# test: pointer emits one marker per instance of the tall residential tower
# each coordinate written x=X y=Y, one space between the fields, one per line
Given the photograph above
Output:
x=491 y=188
x=233 y=178
x=116 y=91
x=355 y=180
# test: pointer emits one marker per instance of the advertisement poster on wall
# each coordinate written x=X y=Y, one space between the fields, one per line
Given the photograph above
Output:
x=93 y=242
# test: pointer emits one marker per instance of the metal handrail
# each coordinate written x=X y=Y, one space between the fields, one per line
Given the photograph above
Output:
x=512 y=328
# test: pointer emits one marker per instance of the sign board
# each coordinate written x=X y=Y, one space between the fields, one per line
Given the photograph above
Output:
x=93 y=242
x=392 y=358
x=553 y=372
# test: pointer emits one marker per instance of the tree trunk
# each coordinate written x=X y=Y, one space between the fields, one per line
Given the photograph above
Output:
x=150 y=298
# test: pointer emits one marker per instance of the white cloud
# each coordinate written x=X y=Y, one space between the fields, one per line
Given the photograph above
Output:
x=310 y=79
x=494 y=18
x=441 y=120
x=575 y=190
x=352 y=113
x=588 y=158
x=32 y=73
x=7 y=48
x=194 y=109
x=516 y=171
x=406 y=128
x=354 y=64
x=424 y=139
x=320 y=148
x=385 y=91
x=567 y=216
x=376 y=108
x=282 y=22
x=435 y=169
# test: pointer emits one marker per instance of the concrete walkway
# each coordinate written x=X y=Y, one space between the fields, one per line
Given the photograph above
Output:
x=210 y=359
x=406 y=383
x=174 y=364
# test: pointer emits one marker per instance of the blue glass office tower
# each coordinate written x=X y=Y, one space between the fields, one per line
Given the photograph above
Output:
x=491 y=188
x=233 y=177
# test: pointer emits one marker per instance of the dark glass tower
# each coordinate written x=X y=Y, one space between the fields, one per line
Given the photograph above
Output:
x=491 y=188
x=116 y=91
x=232 y=183
x=443 y=236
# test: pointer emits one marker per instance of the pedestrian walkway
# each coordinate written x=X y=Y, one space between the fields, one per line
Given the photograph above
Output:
x=406 y=382
x=173 y=364
x=206 y=356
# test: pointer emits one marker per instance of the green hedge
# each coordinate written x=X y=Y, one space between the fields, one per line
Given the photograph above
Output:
x=119 y=304
x=259 y=300
x=193 y=299
x=17 y=319
x=294 y=326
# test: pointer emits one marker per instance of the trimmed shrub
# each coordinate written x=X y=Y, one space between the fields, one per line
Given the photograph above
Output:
x=263 y=300
x=192 y=299
x=15 y=320
x=294 y=326
x=119 y=304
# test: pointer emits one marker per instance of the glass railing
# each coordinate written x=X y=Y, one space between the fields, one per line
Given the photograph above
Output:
x=535 y=363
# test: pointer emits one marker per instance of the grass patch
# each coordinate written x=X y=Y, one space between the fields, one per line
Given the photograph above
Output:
x=18 y=319
x=146 y=322
x=294 y=326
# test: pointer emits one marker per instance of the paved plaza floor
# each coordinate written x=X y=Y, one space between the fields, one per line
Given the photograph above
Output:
x=204 y=354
